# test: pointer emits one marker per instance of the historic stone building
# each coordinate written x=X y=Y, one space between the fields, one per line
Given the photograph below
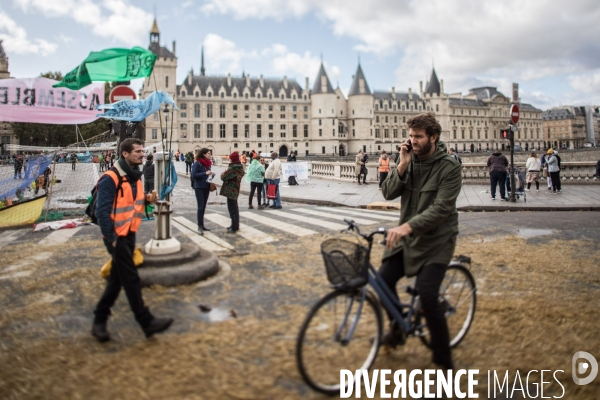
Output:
x=571 y=127
x=6 y=131
x=227 y=112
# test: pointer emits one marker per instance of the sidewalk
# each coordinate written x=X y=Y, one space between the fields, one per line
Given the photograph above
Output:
x=472 y=197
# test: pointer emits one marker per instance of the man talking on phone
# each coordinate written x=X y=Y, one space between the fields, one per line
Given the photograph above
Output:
x=428 y=181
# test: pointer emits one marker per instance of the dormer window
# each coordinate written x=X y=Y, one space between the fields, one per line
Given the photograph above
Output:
x=182 y=94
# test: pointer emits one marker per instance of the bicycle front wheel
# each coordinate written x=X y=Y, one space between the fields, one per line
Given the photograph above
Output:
x=326 y=343
x=458 y=298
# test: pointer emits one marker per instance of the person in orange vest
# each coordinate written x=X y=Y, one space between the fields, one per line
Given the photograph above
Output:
x=384 y=167
x=120 y=207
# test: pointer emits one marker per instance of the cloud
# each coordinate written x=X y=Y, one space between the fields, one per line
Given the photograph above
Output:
x=15 y=39
x=66 y=39
x=515 y=40
x=223 y=54
x=113 y=19
x=285 y=62
x=588 y=83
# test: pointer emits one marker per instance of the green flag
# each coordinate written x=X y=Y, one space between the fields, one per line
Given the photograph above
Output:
x=110 y=65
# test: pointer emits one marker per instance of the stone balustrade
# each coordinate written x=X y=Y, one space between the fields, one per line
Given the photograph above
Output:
x=476 y=173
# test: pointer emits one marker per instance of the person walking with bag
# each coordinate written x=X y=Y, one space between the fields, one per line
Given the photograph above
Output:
x=232 y=177
x=384 y=167
x=273 y=175
x=359 y=165
x=265 y=201
x=201 y=170
x=189 y=160
x=533 y=167
x=554 y=171
x=119 y=209
x=255 y=175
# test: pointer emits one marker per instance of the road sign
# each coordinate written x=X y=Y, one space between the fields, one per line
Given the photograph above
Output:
x=121 y=93
x=515 y=93
x=514 y=113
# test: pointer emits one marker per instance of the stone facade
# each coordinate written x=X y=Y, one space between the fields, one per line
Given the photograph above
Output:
x=225 y=113
x=565 y=127
x=6 y=131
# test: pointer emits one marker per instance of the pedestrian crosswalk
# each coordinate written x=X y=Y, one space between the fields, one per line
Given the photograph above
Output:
x=257 y=227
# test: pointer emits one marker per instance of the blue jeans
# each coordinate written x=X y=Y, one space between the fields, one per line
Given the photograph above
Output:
x=276 y=201
x=264 y=193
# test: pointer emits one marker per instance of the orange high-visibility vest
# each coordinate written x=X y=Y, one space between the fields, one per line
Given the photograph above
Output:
x=127 y=214
x=385 y=165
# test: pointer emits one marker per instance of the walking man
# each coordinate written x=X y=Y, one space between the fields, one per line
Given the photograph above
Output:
x=18 y=166
x=120 y=209
x=148 y=172
x=359 y=168
x=73 y=161
x=497 y=164
x=423 y=243
x=273 y=175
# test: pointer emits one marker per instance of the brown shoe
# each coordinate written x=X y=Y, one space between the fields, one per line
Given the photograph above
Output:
x=250 y=206
x=260 y=207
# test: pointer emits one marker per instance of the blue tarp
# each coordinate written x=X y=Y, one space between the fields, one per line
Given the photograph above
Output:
x=136 y=110
x=166 y=188
x=31 y=170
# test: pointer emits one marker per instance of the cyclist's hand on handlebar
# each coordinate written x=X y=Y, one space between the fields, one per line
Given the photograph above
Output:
x=395 y=234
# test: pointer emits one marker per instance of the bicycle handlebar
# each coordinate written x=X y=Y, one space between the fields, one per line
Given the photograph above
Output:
x=353 y=227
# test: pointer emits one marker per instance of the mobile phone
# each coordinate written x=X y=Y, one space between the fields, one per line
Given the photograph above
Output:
x=409 y=147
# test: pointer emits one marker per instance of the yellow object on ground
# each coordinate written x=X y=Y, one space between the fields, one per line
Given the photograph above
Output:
x=24 y=213
x=138 y=259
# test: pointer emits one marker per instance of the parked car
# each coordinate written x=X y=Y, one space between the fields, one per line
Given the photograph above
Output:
x=518 y=148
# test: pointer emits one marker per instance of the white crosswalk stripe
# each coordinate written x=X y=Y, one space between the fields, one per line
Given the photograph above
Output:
x=362 y=213
x=200 y=241
x=10 y=236
x=59 y=237
x=277 y=224
x=334 y=216
x=247 y=232
x=308 y=220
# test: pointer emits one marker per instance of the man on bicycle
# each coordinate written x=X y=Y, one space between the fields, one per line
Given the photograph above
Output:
x=428 y=180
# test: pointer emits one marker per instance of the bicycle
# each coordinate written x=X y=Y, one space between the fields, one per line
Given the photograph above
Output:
x=344 y=329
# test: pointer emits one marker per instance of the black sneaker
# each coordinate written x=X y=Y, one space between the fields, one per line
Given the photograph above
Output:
x=157 y=325
x=99 y=332
x=394 y=337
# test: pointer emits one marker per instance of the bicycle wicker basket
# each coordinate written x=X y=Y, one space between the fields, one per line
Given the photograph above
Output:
x=346 y=262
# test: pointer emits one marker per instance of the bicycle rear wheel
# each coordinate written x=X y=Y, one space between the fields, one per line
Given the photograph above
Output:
x=458 y=297
x=324 y=348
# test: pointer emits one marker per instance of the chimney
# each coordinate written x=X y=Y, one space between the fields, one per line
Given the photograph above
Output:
x=394 y=92
x=228 y=79
x=285 y=82
x=441 y=86
x=410 y=93
x=306 y=83
x=248 y=80
x=174 y=49
x=261 y=81
x=421 y=88
x=190 y=76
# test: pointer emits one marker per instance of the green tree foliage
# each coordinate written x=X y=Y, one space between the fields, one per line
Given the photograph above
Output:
x=59 y=135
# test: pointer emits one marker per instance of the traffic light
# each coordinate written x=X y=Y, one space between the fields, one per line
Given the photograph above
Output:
x=506 y=133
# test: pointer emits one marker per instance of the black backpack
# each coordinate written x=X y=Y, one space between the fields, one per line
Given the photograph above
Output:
x=90 y=211
x=292 y=181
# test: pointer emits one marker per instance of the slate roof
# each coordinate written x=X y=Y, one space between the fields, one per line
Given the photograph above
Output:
x=399 y=96
x=216 y=82
x=355 y=88
x=433 y=86
x=485 y=92
x=528 y=107
x=466 y=102
x=317 y=85
x=559 y=113
x=161 y=51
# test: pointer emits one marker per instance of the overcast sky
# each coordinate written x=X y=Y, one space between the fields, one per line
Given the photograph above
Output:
x=551 y=48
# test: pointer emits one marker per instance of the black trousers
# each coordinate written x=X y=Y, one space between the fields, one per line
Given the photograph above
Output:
x=188 y=166
x=258 y=187
x=73 y=166
x=148 y=186
x=123 y=274
x=201 y=200
x=382 y=176
x=429 y=280
x=234 y=213
x=555 y=177
x=498 y=178
x=364 y=177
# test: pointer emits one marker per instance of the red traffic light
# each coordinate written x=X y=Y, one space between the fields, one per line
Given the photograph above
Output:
x=505 y=133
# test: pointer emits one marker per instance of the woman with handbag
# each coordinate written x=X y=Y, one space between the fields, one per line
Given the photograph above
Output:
x=201 y=171
x=255 y=176
x=232 y=177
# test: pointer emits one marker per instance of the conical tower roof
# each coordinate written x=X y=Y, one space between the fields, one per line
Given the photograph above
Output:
x=356 y=87
x=322 y=84
x=154 y=27
x=433 y=86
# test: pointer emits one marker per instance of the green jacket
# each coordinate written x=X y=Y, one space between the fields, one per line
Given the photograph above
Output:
x=231 y=178
x=255 y=172
x=428 y=192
